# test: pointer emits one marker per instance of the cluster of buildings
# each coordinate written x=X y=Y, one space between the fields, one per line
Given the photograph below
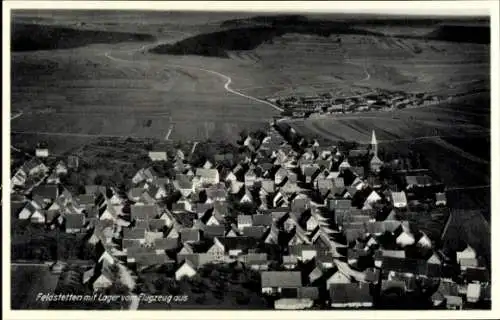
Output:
x=327 y=104
x=319 y=230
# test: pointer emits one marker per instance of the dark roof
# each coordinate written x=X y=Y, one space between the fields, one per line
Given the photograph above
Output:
x=256 y=232
x=135 y=233
x=156 y=224
x=166 y=243
x=339 y=204
x=281 y=279
x=350 y=293
x=262 y=220
x=151 y=259
x=214 y=231
x=243 y=243
x=190 y=235
x=143 y=212
x=95 y=189
x=46 y=191
x=74 y=221
x=131 y=243
x=476 y=274
x=186 y=219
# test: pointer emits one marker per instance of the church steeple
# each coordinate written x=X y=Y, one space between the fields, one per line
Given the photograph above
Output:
x=374 y=143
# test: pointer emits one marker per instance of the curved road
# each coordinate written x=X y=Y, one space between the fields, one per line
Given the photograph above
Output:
x=227 y=84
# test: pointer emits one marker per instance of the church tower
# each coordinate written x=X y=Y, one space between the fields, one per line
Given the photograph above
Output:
x=374 y=143
x=375 y=163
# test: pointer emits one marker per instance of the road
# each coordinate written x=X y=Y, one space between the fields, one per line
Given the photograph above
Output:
x=227 y=84
x=16 y=116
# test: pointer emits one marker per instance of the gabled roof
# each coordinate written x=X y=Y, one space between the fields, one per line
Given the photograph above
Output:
x=244 y=219
x=135 y=233
x=206 y=173
x=143 y=212
x=214 y=231
x=190 y=235
x=95 y=189
x=46 y=191
x=281 y=279
x=256 y=232
x=350 y=293
x=239 y=242
x=262 y=220
x=166 y=243
x=74 y=221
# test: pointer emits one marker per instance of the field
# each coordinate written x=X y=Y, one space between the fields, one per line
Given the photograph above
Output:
x=27 y=282
x=96 y=88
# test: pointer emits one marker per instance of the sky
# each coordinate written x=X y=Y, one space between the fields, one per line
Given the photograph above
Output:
x=422 y=8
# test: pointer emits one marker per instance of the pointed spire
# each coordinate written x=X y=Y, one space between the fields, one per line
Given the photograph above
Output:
x=374 y=142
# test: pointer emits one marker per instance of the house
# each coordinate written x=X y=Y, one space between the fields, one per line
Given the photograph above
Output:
x=275 y=281
x=143 y=212
x=399 y=199
x=74 y=223
x=236 y=246
x=147 y=175
x=212 y=218
x=184 y=185
x=255 y=261
x=310 y=172
x=31 y=212
x=424 y=241
x=212 y=231
x=440 y=199
x=207 y=176
x=256 y=232
x=473 y=292
x=186 y=269
x=467 y=253
x=250 y=178
x=337 y=278
x=339 y=205
x=290 y=262
x=267 y=186
x=157 y=155
x=265 y=220
x=246 y=197
x=47 y=192
x=280 y=176
x=190 y=235
x=350 y=295
x=41 y=152
x=156 y=191
x=405 y=239
x=217 y=192
x=166 y=244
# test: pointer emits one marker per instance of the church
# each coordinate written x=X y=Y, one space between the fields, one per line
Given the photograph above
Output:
x=375 y=162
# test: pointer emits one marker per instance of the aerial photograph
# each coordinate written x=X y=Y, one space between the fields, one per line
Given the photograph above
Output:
x=245 y=160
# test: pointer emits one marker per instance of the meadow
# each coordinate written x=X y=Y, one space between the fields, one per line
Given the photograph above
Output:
x=117 y=88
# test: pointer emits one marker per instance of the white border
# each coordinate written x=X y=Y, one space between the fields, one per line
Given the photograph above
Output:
x=463 y=8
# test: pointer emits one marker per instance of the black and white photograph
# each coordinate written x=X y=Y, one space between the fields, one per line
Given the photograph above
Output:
x=321 y=160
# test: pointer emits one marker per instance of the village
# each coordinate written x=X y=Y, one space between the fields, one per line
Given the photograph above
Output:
x=321 y=226
x=327 y=103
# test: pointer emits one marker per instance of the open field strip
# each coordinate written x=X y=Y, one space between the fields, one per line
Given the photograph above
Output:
x=227 y=84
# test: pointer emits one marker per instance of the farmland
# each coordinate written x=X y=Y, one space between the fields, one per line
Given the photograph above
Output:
x=98 y=88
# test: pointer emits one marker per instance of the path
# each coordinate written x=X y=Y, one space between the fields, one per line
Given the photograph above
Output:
x=486 y=186
x=227 y=84
x=16 y=116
